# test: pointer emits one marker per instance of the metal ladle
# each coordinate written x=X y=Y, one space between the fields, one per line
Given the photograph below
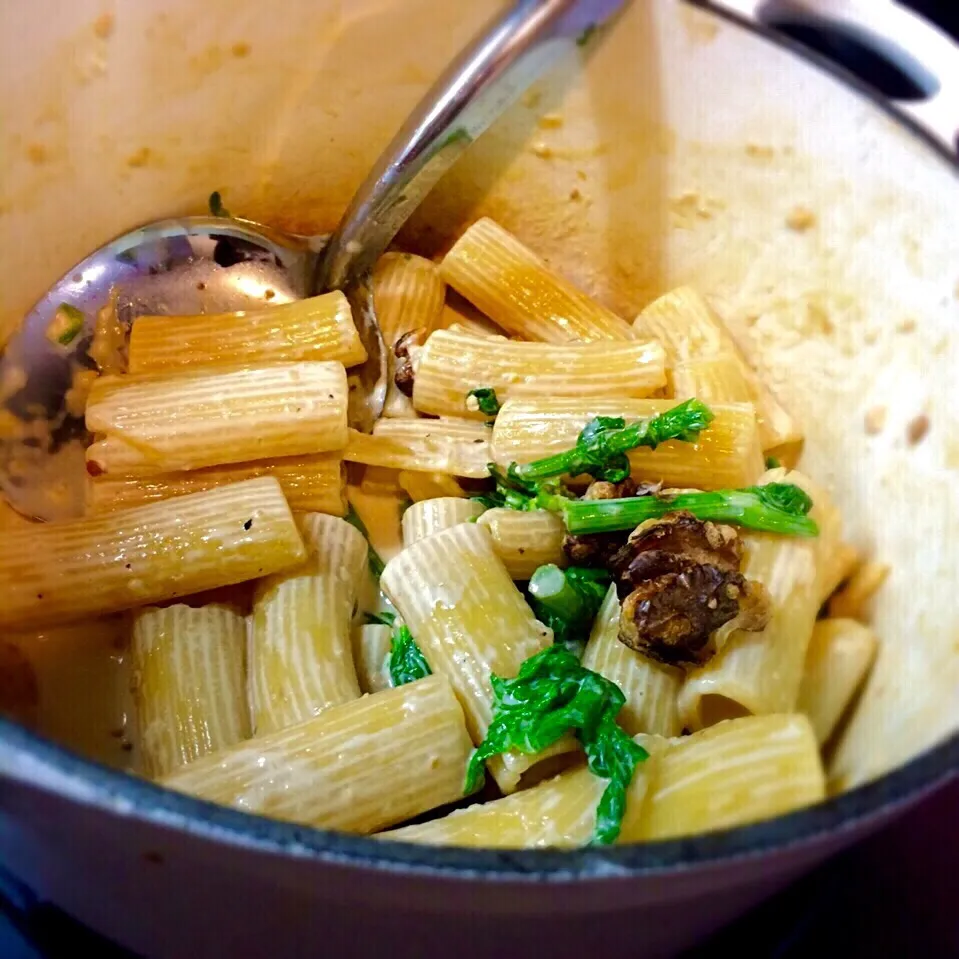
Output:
x=214 y=264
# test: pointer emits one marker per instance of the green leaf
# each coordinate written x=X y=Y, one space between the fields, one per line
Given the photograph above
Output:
x=486 y=401
x=216 y=205
x=788 y=497
x=772 y=463
x=553 y=694
x=407 y=662
x=567 y=601
x=373 y=559
x=601 y=447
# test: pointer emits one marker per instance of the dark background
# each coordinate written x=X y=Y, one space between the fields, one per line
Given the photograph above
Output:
x=896 y=895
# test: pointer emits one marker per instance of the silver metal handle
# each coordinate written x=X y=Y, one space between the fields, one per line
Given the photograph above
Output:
x=475 y=89
x=921 y=51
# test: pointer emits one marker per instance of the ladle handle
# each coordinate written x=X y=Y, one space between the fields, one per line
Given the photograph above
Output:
x=473 y=91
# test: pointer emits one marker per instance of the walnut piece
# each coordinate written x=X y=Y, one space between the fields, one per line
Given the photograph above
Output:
x=679 y=580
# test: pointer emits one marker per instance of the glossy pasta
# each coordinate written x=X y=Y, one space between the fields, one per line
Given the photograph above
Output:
x=318 y=328
x=349 y=629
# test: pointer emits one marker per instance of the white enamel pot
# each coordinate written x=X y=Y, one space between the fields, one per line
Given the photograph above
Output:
x=679 y=149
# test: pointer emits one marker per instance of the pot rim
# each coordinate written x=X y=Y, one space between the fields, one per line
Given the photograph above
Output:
x=92 y=783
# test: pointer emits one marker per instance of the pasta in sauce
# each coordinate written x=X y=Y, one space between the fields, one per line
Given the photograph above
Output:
x=574 y=561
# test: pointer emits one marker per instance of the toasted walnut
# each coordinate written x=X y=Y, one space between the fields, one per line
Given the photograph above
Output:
x=672 y=544
x=597 y=549
x=679 y=581
x=671 y=618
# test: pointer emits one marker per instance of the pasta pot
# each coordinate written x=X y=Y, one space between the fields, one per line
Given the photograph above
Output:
x=689 y=144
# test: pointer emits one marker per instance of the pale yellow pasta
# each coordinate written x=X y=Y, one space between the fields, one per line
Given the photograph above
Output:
x=301 y=661
x=451 y=364
x=189 y=682
x=524 y=541
x=473 y=328
x=726 y=454
x=318 y=328
x=851 y=601
x=738 y=772
x=516 y=289
x=557 y=813
x=712 y=379
x=689 y=330
x=371 y=650
x=461 y=316
x=451 y=446
x=760 y=672
x=60 y=572
x=315 y=483
x=468 y=618
x=839 y=656
x=408 y=293
x=651 y=689
x=431 y=516
x=420 y=486
x=837 y=568
x=359 y=767
x=207 y=417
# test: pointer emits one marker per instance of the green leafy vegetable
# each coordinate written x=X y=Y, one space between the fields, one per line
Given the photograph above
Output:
x=485 y=400
x=512 y=492
x=567 y=601
x=407 y=663
x=216 y=205
x=552 y=695
x=775 y=508
x=376 y=564
x=601 y=448
x=66 y=325
x=772 y=463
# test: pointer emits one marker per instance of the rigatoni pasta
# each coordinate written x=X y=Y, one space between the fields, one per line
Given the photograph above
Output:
x=408 y=294
x=651 y=689
x=208 y=417
x=300 y=654
x=740 y=771
x=449 y=360
x=456 y=597
x=760 y=672
x=189 y=681
x=431 y=516
x=133 y=557
x=558 y=813
x=690 y=332
x=371 y=651
x=837 y=661
x=453 y=446
x=315 y=483
x=728 y=454
x=358 y=767
x=516 y=289
x=525 y=541
x=318 y=328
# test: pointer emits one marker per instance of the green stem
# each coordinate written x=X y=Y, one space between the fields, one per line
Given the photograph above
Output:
x=549 y=587
x=741 y=507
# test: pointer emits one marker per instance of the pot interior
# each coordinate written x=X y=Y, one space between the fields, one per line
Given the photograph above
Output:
x=679 y=150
